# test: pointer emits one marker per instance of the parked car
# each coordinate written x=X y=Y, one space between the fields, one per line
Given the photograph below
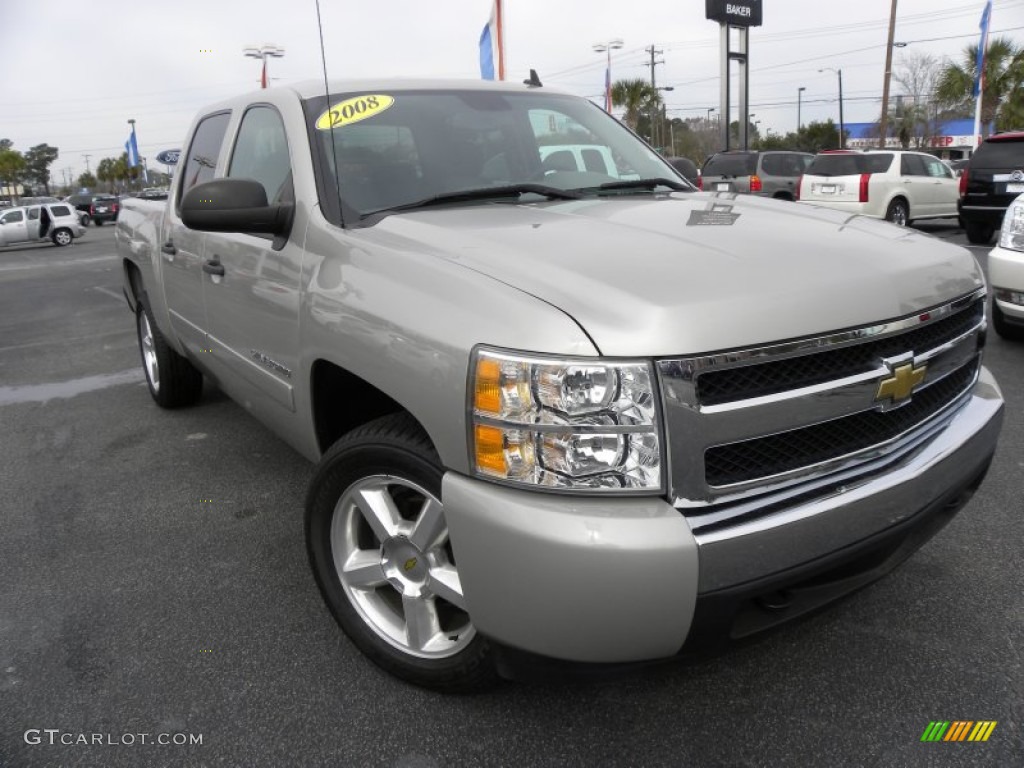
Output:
x=994 y=177
x=57 y=222
x=83 y=204
x=959 y=166
x=772 y=174
x=898 y=186
x=104 y=208
x=1006 y=274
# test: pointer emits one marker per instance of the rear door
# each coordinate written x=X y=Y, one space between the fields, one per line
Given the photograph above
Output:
x=181 y=252
x=252 y=309
x=945 y=185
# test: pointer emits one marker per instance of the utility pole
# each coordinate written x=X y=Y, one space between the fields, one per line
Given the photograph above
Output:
x=654 y=88
x=882 y=125
x=87 y=164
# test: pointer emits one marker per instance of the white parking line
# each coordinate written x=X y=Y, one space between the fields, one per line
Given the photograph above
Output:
x=114 y=294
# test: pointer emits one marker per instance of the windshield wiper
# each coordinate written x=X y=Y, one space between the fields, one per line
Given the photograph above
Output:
x=645 y=184
x=483 y=193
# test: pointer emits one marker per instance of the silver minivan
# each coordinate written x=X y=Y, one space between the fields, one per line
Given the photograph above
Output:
x=57 y=222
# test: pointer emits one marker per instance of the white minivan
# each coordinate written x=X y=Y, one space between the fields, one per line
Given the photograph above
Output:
x=56 y=222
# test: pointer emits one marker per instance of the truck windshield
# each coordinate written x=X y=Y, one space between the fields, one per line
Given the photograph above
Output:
x=386 y=150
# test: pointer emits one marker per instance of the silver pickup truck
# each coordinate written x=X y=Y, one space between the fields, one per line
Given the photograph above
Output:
x=562 y=411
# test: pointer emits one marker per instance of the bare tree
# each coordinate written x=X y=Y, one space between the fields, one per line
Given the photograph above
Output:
x=918 y=74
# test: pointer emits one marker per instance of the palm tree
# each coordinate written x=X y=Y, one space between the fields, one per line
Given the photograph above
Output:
x=637 y=96
x=1002 y=100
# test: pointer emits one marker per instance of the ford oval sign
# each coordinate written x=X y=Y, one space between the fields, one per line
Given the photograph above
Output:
x=169 y=156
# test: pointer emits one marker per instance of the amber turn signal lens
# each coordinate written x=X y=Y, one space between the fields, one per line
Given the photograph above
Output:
x=487 y=397
x=490 y=450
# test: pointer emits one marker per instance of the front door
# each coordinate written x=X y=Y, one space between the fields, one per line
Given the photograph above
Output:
x=252 y=309
x=13 y=227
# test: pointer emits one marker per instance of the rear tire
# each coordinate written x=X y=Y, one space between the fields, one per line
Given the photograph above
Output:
x=898 y=212
x=1003 y=327
x=173 y=381
x=378 y=546
x=62 y=237
x=979 y=234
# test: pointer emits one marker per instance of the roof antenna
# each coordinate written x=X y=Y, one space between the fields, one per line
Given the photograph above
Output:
x=533 y=81
x=327 y=95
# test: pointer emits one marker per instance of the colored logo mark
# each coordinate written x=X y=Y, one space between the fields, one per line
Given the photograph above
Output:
x=958 y=730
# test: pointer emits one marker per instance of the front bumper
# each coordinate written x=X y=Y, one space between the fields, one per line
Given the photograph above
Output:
x=1006 y=270
x=625 y=579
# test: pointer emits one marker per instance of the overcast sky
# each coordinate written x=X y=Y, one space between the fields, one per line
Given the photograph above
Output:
x=75 y=72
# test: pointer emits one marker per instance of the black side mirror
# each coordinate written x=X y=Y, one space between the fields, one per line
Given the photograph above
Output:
x=234 y=205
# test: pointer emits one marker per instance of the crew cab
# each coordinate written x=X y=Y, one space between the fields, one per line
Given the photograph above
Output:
x=579 y=415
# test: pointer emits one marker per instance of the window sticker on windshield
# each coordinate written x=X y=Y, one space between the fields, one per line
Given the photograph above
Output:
x=353 y=110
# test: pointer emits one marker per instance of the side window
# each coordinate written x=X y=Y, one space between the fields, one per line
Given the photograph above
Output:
x=13 y=217
x=33 y=214
x=60 y=210
x=203 y=152
x=912 y=165
x=261 y=153
x=937 y=168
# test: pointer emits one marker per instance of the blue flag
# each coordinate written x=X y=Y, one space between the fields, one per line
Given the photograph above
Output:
x=979 y=64
x=132 y=148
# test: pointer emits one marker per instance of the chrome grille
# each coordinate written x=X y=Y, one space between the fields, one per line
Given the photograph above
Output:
x=744 y=422
x=784 y=452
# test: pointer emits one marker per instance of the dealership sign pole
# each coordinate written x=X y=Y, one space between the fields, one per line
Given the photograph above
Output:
x=741 y=15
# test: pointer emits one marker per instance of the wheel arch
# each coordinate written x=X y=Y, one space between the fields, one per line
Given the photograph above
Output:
x=132 y=284
x=333 y=390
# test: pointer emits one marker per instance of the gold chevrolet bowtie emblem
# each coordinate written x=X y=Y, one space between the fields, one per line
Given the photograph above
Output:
x=902 y=382
x=409 y=564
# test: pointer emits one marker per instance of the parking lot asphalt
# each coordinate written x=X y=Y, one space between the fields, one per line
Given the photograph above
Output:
x=153 y=581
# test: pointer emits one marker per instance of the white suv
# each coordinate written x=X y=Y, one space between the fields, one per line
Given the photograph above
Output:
x=894 y=185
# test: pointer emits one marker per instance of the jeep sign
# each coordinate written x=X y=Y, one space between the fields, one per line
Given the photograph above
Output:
x=736 y=13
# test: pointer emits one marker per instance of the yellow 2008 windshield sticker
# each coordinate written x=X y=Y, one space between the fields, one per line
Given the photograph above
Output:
x=353 y=110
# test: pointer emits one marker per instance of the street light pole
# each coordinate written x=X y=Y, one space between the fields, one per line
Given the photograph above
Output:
x=263 y=52
x=799 y=105
x=842 y=127
x=608 y=47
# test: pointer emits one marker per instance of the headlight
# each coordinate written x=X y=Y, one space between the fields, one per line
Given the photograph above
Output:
x=1012 y=234
x=578 y=424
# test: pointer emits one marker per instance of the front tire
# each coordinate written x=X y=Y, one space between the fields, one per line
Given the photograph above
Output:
x=173 y=381
x=978 y=234
x=1003 y=327
x=379 y=549
x=898 y=212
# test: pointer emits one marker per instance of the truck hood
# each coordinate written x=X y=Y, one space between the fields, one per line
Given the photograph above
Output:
x=694 y=272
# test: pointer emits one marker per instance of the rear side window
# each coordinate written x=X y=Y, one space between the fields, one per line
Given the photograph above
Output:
x=261 y=153
x=849 y=165
x=731 y=165
x=60 y=210
x=912 y=165
x=204 y=151
x=999 y=154
x=775 y=164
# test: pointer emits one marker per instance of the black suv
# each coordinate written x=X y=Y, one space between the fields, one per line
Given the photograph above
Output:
x=104 y=208
x=993 y=177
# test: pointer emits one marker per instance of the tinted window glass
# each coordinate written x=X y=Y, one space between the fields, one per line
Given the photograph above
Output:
x=33 y=214
x=849 y=165
x=776 y=164
x=731 y=165
x=60 y=210
x=999 y=154
x=594 y=161
x=261 y=152
x=13 y=216
x=912 y=165
x=203 y=154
